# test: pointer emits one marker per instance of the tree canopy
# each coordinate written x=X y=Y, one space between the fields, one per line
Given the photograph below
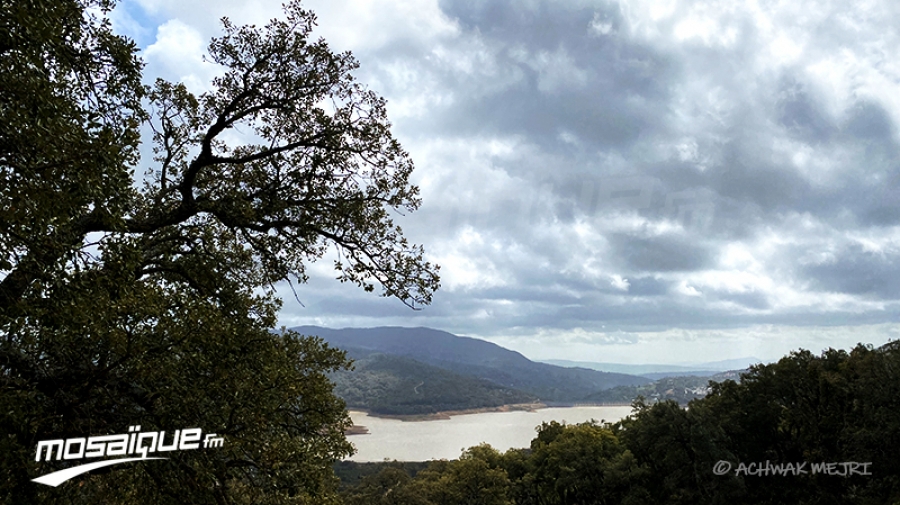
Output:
x=149 y=299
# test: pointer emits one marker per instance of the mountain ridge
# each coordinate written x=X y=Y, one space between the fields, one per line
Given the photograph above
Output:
x=476 y=358
x=657 y=370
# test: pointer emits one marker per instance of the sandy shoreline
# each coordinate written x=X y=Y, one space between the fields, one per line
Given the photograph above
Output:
x=446 y=414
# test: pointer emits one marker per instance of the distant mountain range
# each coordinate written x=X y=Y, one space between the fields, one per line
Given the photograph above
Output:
x=465 y=358
x=680 y=388
x=658 y=371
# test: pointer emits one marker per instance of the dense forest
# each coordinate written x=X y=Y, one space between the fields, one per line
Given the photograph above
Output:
x=808 y=430
x=395 y=385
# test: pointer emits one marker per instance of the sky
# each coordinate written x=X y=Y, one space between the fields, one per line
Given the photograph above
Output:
x=638 y=182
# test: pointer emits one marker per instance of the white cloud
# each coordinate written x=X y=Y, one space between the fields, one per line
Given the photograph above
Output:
x=366 y=25
x=600 y=25
x=687 y=290
x=619 y=282
x=464 y=263
x=177 y=55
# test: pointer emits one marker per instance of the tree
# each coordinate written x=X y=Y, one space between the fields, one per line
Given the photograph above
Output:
x=476 y=478
x=123 y=305
x=678 y=447
x=390 y=486
x=582 y=464
x=836 y=407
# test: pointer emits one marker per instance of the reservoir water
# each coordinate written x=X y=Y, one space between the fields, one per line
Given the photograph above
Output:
x=393 y=439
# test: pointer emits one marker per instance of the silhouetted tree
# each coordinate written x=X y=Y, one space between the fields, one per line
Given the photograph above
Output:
x=123 y=305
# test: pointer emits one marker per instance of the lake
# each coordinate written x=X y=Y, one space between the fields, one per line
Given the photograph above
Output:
x=446 y=438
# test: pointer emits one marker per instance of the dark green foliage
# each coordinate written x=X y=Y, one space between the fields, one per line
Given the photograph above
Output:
x=153 y=306
x=395 y=385
x=804 y=408
x=835 y=407
x=351 y=473
x=477 y=477
x=390 y=486
x=481 y=476
x=678 y=448
x=581 y=464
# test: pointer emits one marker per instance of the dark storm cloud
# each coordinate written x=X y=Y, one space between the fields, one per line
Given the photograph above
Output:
x=855 y=270
x=660 y=253
x=869 y=121
x=556 y=75
x=741 y=177
x=800 y=113
x=875 y=185
x=647 y=286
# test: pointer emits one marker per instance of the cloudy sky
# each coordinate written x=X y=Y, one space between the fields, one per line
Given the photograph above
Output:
x=635 y=181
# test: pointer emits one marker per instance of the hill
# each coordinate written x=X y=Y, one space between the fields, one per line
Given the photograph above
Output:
x=396 y=385
x=476 y=358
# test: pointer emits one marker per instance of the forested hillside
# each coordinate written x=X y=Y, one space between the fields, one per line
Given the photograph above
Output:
x=805 y=430
x=395 y=385
x=475 y=358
